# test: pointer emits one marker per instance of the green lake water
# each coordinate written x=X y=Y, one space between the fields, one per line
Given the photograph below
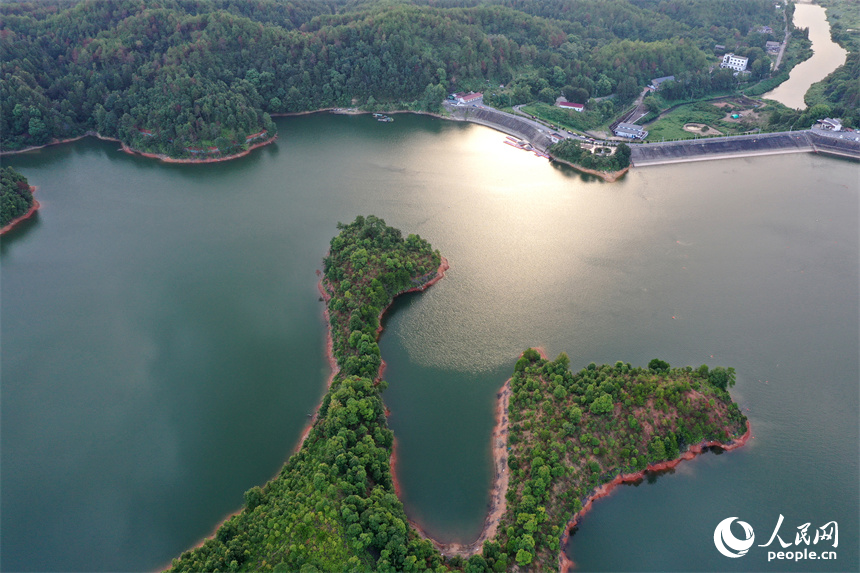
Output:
x=163 y=341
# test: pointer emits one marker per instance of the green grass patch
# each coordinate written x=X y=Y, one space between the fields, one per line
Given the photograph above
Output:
x=565 y=118
x=671 y=126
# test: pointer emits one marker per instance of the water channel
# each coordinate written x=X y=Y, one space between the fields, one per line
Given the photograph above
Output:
x=827 y=56
x=162 y=338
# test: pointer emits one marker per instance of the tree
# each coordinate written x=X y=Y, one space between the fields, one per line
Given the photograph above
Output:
x=253 y=497
x=658 y=365
x=524 y=557
x=602 y=405
x=627 y=89
x=547 y=95
x=575 y=94
x=722 y=378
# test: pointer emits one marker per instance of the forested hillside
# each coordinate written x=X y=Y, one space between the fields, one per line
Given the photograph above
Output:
x=193 y=78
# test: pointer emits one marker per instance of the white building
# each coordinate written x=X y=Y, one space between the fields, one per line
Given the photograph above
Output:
x=631 y=131
x=828 y=123
x=737 y=63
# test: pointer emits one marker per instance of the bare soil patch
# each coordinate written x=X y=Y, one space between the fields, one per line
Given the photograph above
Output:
x=702 y=129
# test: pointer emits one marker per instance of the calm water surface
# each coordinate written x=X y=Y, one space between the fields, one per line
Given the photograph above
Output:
x=162 y=339
x=827 y=56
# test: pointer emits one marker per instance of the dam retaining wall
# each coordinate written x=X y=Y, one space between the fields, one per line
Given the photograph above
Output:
x=511 y=124
x=812 y=141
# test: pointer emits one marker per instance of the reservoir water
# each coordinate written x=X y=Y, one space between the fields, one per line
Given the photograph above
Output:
x=827 y=56
x=162 y=338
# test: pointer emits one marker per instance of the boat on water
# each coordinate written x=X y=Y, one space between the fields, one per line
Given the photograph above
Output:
x=383 y=118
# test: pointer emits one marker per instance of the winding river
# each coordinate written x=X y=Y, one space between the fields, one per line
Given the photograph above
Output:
x=827 y=56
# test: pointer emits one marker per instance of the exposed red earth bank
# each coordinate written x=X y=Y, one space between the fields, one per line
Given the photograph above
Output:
x=564 y=563
x=30 y=212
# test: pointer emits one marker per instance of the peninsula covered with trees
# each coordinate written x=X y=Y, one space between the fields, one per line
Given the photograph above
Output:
x=201 y=79
x=333 y=506
x=16 y=196
x=573 y=432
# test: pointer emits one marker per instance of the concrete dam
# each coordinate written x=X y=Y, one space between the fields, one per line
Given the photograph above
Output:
x=843 y=144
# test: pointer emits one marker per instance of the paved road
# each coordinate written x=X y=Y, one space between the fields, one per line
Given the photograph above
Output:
x=784 y=43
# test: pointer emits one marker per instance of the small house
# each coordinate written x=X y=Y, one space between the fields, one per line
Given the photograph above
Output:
x=655 y=83
x=577 y=107
x=470 y=97
x=829 y=124
x=630 y=131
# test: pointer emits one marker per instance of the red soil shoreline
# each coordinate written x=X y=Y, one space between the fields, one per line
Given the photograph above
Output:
x=440 y=274
x=167 y=159
x=30 y=212
x=564 y=563
x=498 y=489
x=305 y=432
x=608 y=176
x=132 y=151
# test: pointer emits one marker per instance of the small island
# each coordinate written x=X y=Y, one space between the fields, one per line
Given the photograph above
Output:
x=16 y=199
x=561 y=440
x=605 y=161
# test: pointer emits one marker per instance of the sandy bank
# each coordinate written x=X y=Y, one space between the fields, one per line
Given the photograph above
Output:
x=566 y=564
x=30 y=212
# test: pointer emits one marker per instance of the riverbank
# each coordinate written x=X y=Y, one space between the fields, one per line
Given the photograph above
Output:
x=564 y=563
x=608 y=176
x=132 y=151
x=30 y=212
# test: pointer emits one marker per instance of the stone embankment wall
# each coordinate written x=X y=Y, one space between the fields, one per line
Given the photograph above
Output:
x=844 y=145
x=517 y=126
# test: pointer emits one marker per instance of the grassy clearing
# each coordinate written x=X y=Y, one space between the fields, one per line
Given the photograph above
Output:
x=567 y=119
x=714 y=114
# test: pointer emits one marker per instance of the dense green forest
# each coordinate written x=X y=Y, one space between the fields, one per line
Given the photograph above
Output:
x=15 y=196
x=333 y=506
x=571 y=432
x=197 y=78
